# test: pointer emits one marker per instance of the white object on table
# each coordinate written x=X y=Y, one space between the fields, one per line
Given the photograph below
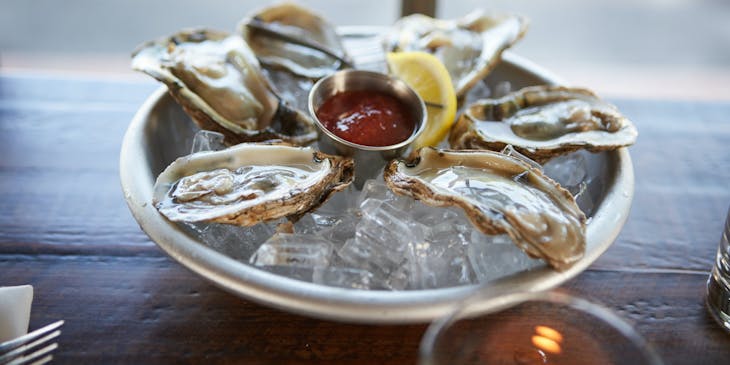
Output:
x=15 y=304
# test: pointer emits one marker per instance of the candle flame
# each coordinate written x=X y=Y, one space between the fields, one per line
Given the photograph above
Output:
x=546 y=344
x=550 y=333
x=547 y=339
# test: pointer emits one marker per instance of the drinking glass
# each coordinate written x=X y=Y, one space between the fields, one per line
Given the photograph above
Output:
x=534 y=328
x=718 y=285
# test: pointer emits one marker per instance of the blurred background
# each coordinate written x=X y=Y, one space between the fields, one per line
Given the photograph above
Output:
x=675 y=49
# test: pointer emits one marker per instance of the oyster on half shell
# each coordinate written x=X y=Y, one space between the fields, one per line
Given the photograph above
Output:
x=542 y=122
x=249 y=183
x=499 y=194
x=294 y=38
x=469 y=47
x=217 y=80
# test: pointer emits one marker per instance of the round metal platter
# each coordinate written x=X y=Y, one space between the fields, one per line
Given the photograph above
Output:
x=160 y=132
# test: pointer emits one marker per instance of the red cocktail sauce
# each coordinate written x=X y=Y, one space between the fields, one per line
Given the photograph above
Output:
x=367 y=118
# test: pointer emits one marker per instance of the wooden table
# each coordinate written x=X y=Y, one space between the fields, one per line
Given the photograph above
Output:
x=66 y=230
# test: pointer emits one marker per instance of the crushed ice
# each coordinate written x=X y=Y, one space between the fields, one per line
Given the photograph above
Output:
x=375 y=239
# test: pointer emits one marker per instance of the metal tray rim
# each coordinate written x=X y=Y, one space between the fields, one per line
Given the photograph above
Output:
x=346 y=304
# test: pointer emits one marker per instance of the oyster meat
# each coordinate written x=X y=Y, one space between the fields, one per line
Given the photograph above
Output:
x=249 y=183
x=469 y=47
x=217 y=80
x=294 y=38
x=499 y=194
x=542 y=122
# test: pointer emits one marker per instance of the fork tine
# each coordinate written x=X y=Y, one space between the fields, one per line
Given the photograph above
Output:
x=43 y=360
x=7 y=346
x=25 y=359
x=17 y=353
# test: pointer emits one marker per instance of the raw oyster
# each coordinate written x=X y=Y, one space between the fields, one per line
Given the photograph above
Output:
x=499 y=194
x=469 y=47
x=249 y=183
x=217 y=80
x=542 y=122
x=291 y=37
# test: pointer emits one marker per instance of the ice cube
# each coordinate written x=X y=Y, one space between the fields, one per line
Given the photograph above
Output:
x=284 y=249
x=291 y=88
x=435 y=266
x=431 y=216
x=385 y=212
x=570 y=171
x=343 y=277
x=396 y=279
x=306 y=225
x=339 y=204
x=451 y=232
x=376 y=189
x=442 y=260
x=365 y=253
x=325 y=221
x=378 y=251
x=585 y=202
x=381 y=242
x=502 y=89
x=207 y=141
x=341 y=231
x=511 y=151
x=494 y=257
x=233 y=241
x=324 y=224
x=480 y=91
x=394 y=223
x=293 y=272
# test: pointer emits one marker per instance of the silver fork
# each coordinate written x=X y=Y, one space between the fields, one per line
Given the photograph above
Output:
x=27 y=349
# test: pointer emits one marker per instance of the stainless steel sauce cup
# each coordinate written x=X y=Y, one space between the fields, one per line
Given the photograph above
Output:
x=369 y=160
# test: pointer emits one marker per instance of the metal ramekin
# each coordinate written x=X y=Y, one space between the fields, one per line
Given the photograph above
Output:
x=369 y=160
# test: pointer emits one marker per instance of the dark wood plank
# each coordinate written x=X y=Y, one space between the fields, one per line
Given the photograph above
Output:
x=681 y=195
x=668 y=309
x=150 y=310
x=59 y=169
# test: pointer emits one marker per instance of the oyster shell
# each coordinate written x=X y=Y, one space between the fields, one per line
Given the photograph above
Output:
x=469 y=47
x=542 y=122
x=499 y=194
x=294 y=38
x=249 y=183
x=217 y=80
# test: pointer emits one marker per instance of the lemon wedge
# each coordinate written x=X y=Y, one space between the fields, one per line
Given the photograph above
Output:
x=429 y=78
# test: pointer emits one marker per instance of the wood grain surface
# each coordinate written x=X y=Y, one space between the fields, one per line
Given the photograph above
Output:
x=66 y=230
